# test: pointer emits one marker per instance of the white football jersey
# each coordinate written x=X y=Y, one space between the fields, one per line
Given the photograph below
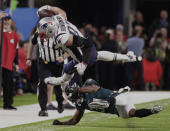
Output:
x=65 y=28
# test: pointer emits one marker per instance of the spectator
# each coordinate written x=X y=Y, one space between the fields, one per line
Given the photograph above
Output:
x=162 y=22
x=152 y=70
x=24 y=73
x=138 y=20
x=159 y=43
x=120 y=38
x=92 y=32
x=2 y=14
x=10 y=41
x=165 y=38
x=102 y=32
x=108 y=68
x=135 y=44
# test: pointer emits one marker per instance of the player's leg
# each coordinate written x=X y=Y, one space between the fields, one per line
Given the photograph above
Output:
x=109 y=56
x=145 y=112
x=69 y=70
x=106 y=56
x=126 y=109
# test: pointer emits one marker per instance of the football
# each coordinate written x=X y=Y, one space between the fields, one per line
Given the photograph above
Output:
x=45 y=13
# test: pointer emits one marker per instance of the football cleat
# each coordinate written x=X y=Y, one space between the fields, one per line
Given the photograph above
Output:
x=156 y=109
x=43 y=113
x=51 y=107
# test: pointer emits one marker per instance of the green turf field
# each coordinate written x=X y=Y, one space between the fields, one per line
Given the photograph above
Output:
x=25 y=99
x=106 y=122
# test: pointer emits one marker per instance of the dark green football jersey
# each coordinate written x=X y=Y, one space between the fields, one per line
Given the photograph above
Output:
x=102 y=94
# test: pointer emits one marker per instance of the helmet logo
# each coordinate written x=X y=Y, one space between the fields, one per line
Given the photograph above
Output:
x=44 y=26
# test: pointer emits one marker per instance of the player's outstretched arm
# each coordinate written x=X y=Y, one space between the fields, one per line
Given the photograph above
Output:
x=58 y=10
x=55 y=10
x=73 y=121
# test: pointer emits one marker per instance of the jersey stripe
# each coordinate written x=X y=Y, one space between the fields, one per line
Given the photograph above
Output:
x=47 y=52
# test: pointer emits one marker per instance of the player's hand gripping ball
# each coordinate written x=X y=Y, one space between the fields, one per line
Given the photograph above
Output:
x=45 y=13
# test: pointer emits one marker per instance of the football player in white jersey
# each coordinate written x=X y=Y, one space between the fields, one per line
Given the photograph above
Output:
x=81 y=49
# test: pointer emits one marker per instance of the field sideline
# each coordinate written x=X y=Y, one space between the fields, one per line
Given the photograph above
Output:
x=101 y=122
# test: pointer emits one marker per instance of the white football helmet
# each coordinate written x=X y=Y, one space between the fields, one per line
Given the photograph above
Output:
x=48 y=26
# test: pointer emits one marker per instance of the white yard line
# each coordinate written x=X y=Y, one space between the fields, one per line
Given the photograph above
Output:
x=29 y=114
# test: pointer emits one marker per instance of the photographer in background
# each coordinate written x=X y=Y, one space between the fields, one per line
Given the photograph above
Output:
x=159 y=43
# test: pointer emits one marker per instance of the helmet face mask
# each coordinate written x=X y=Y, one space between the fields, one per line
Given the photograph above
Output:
x=73 y=96
x=47 y=27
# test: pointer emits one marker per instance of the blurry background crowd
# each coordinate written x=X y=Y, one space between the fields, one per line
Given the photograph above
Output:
x=149 y=40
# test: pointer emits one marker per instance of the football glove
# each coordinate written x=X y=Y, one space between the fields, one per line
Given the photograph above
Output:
x=81 y=67
x=57 y=122
x=132 y=57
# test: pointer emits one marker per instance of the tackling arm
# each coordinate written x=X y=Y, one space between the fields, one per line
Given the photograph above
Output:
x=86 y=89
x=74 y=120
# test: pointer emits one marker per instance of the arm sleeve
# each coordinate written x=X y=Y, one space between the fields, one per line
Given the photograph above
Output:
x=62 y=34
x=61 y=38
x=86 y=45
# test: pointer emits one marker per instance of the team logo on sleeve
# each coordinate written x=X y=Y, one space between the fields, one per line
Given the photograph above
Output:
x=12 y=41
